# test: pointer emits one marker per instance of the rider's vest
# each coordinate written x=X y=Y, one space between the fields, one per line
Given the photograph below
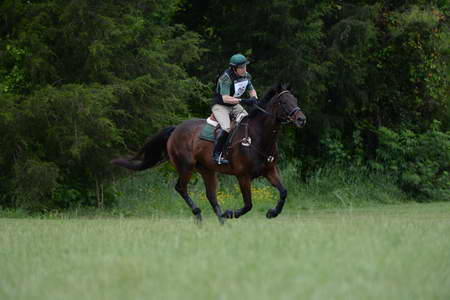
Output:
x=237 y=86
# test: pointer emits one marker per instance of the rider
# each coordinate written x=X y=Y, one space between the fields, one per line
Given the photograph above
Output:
x=231 y=85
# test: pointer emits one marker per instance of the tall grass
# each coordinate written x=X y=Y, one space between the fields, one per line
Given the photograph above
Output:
x=152 y=192
x=386 y=252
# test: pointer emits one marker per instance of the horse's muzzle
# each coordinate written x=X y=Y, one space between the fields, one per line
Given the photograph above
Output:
x=299 y=118
x=300 y=122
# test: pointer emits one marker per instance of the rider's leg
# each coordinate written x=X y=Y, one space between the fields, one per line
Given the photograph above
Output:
x=238 y=112
x=219 y=145
x=222 y=115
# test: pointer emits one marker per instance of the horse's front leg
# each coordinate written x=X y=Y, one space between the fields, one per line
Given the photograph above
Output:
x=245 y=186
x=273 y=177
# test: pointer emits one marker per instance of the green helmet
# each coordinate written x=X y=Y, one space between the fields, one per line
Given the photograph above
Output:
x=238 y=60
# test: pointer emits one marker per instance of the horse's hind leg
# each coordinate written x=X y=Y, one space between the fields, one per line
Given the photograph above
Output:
x=181 y=188
x=273 y=177
x=210 y=180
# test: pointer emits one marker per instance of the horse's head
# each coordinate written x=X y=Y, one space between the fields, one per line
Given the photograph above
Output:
x=284 y=106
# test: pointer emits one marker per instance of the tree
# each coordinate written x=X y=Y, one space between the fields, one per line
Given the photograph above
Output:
x=80 y=80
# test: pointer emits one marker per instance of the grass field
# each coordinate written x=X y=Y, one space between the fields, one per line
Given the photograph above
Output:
x=386 y=252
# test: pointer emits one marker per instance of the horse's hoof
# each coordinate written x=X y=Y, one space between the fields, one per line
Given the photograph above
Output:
x=227 y=214
x=197 y=215
x=198 y=219
x=197 y=211
x=271 y=213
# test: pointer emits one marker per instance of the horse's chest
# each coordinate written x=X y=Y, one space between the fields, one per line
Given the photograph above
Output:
x=259 y=170
x=254 y=168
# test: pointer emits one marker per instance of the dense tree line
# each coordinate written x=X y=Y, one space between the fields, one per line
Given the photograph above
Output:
x=82 y=81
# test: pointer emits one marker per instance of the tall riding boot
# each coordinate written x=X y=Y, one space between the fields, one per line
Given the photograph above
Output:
x=219 y=144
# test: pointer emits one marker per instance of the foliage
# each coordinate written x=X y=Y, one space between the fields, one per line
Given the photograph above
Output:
x=419 y=162
x=14 y=79
x=79 y=82
x=82 y=81
x=35 y=184
x=64 y=136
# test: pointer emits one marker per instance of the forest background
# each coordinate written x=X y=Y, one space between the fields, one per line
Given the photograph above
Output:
x=84 y=81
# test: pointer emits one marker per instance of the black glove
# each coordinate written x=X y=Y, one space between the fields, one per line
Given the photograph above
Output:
x=250 y=101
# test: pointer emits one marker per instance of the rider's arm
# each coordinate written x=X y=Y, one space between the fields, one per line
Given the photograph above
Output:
x=252 y=93
x=250 y=89
x=230 y=100
x=224 y=84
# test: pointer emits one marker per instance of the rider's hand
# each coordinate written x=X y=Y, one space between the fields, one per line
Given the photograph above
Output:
x=256 y=100
x=250 y=101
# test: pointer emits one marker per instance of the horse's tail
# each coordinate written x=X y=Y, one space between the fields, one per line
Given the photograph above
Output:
x=153 y=152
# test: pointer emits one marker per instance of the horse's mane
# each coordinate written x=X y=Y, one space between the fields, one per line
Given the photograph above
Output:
x=268 y=95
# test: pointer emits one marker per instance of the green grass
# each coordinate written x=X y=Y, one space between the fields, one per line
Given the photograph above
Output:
x=152 y=192
x=379 y=252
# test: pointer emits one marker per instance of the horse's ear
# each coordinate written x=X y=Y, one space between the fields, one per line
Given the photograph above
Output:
x=279 y=87
x=285 y=86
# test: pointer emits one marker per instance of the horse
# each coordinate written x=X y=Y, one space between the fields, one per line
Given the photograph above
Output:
x=252 y=150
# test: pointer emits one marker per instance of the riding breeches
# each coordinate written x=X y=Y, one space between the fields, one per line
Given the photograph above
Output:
x=222 y=114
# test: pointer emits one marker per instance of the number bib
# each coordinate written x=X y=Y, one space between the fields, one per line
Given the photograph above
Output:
x=239 y=88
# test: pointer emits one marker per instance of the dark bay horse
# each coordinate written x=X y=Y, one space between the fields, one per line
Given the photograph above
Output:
x=188 y=153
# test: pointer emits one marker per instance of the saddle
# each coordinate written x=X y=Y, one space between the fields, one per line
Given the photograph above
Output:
x=212 y=128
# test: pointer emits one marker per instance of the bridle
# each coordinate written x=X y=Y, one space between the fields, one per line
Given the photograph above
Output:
x=288 y=115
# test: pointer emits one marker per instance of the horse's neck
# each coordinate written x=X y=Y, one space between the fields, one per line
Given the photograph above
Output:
x=264 y=131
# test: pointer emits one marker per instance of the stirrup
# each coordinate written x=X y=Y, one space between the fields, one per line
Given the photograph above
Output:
x=220 y=160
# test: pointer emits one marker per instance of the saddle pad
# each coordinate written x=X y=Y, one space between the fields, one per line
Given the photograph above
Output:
x=207 y=133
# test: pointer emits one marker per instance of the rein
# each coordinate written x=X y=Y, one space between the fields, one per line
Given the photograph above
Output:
x=265 y=111
x=288 y=113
